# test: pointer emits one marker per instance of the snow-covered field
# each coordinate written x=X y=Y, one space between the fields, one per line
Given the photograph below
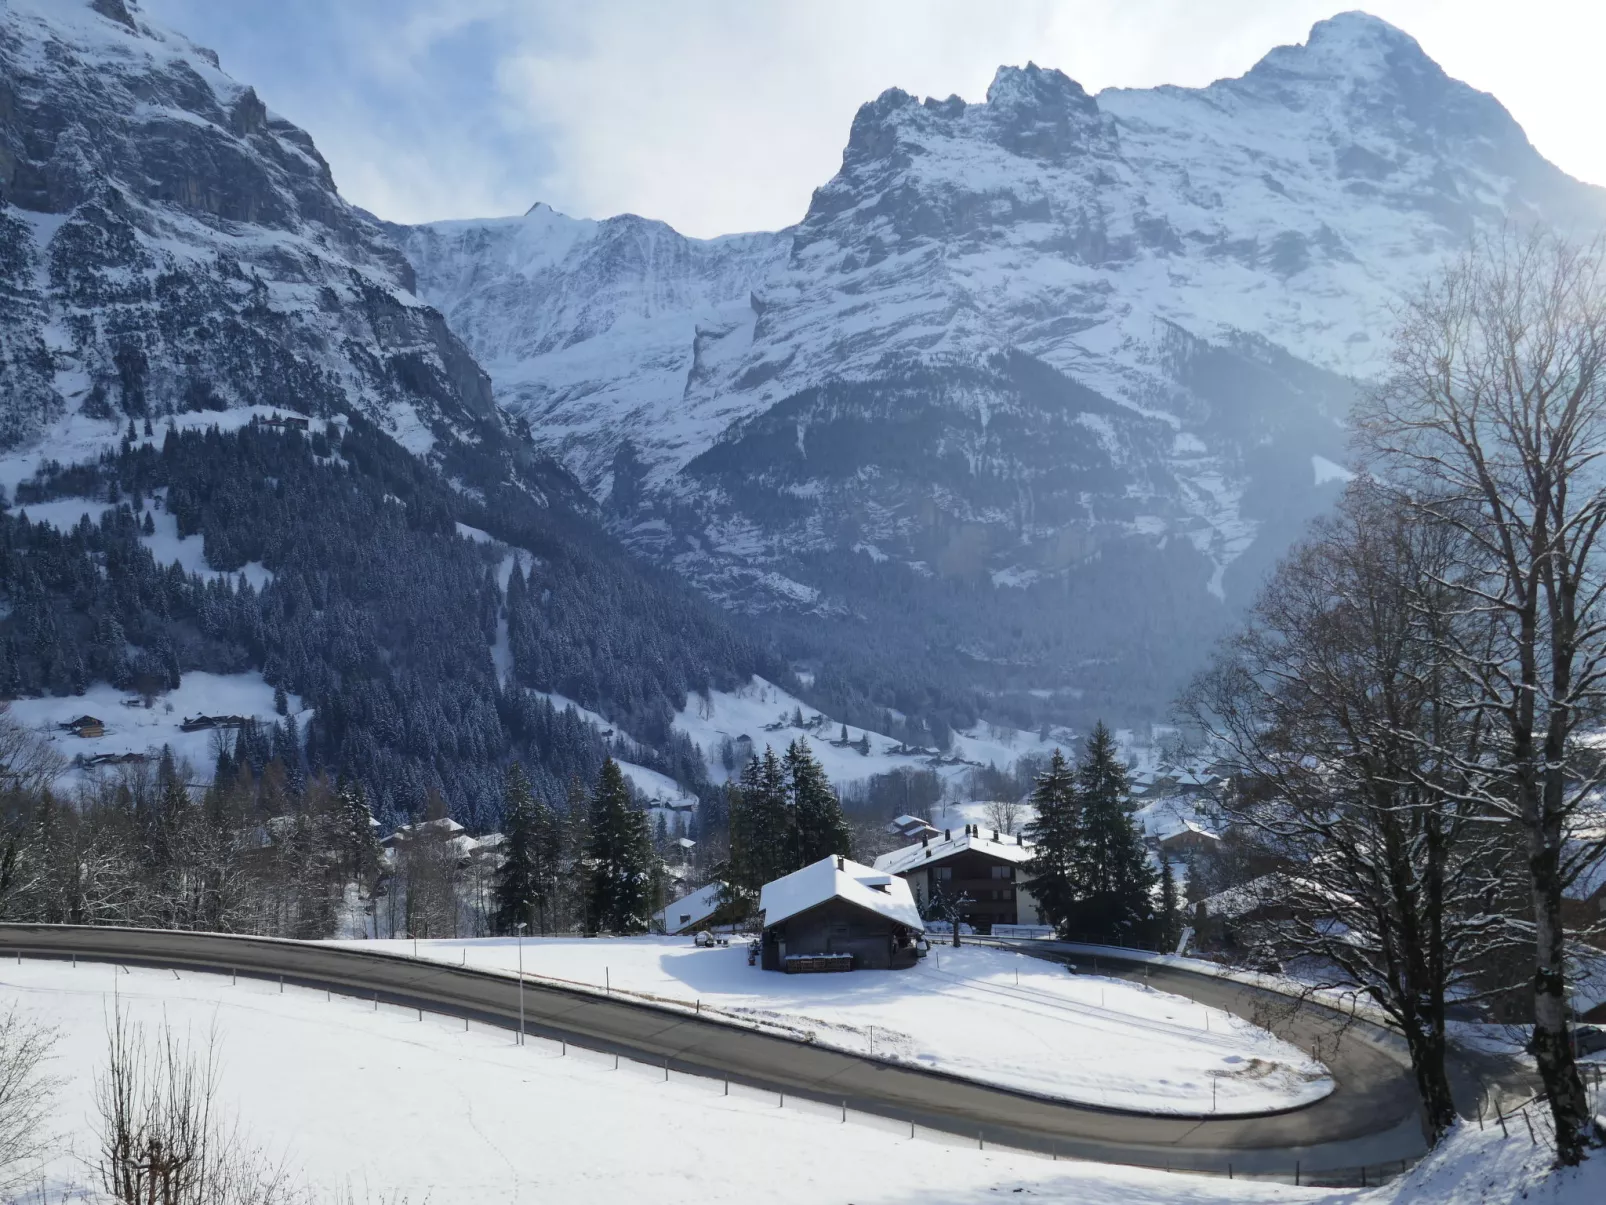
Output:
x=985 y=1014
x=399 y=1108
x=146 y=730
x=765 y=714
x=402 y=1109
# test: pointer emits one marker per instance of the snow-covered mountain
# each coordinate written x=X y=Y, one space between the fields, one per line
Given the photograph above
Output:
x=168 y=243
x=1041 y=384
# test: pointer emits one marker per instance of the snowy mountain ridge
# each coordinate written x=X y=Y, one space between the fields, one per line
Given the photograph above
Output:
x=1052 y=344
x=171 y=244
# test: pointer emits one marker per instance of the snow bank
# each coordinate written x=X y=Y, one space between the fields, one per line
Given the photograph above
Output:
x=399 y=1108
x=986 y=1014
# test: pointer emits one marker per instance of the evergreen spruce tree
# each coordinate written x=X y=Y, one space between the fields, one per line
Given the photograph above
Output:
x=520 y=889
x=816 y=813
x=1170 y=921
x=356 y=828
x=619 y=858
x=1057 y=871
x=1117 y=896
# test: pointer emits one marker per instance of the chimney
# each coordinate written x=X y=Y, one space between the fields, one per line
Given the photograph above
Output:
x=925 y=839
x=947 y=834
x=1019 y=840
x=995 y=834
x=839 y=862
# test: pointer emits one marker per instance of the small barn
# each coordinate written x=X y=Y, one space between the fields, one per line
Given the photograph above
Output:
x=85 y=726
x=838 y=915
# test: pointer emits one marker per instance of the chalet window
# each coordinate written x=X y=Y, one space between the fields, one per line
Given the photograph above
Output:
x=685 y=918
x=945 y=872
x=1001 y=872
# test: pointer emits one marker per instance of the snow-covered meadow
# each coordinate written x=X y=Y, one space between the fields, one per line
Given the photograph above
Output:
x=147 y=729
x=766 y=714
x=985 y=1014
x=402 y=1108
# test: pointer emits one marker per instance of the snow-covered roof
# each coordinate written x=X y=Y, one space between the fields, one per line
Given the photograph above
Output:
x=1246 y=897
x=911 y=857
x=907 y=825
x=834 y=877
x=1191 y=826
x=691 y=909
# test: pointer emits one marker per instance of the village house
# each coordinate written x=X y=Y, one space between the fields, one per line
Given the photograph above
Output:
x=702 y=909
x=837 y=915
x=1190 y=838
x=911 y=828
x=87 y=726
x=989 y=870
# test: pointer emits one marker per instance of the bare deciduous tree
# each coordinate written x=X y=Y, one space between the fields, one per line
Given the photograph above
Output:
x=1493 y=422
x=25 y=1095
x=1003 y=815
x=164 y=1138
x=1335 y=701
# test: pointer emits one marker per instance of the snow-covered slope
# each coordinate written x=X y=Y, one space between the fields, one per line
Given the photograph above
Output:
x=586 y=326
x=1041 y=382
x=167 y=243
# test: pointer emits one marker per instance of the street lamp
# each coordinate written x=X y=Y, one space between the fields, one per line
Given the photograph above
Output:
x=521 y=926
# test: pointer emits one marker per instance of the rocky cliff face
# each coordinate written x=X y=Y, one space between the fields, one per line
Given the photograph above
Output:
x=168 y=243
x=1038 y=386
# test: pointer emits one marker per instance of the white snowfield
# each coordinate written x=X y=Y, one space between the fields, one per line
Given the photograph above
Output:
x=765 y=714
x=146 y=730
x=1083 y=1038
x=397 y=1108
x=402 y=1109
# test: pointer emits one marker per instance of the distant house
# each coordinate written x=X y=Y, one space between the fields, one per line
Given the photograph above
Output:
x=1235 y=918
x=911 y=828
x=990 y=870
x=85 y=726
x=838 y=915
x=702 y=909
x=202 y=723
x=117 y=759
x=286 y=422
x=1191 y=838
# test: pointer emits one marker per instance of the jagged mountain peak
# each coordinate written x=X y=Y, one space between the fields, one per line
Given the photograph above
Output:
x=1350 y=44
x=1048 y=345
x=1043 y=90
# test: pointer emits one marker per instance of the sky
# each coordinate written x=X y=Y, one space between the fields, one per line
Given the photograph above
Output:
x=724 y=115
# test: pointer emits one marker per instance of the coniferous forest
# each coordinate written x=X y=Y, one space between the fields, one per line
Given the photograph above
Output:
x=380 y=616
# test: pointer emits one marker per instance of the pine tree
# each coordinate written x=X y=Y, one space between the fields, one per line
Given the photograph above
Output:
x=1170 y=911
x=1056 y=870
x=619 y=858
x=356 y=828
x=816 y=813
x=521 y=887
x=1117 y=897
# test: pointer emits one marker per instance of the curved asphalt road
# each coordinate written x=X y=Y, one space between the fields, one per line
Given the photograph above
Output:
x=1371 y=1118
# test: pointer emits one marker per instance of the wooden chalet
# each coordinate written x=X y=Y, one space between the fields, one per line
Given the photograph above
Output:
x=838 y=915
x=85 y=726
x=988 y=870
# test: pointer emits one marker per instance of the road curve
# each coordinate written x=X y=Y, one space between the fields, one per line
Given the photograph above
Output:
x=1370 y=1119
